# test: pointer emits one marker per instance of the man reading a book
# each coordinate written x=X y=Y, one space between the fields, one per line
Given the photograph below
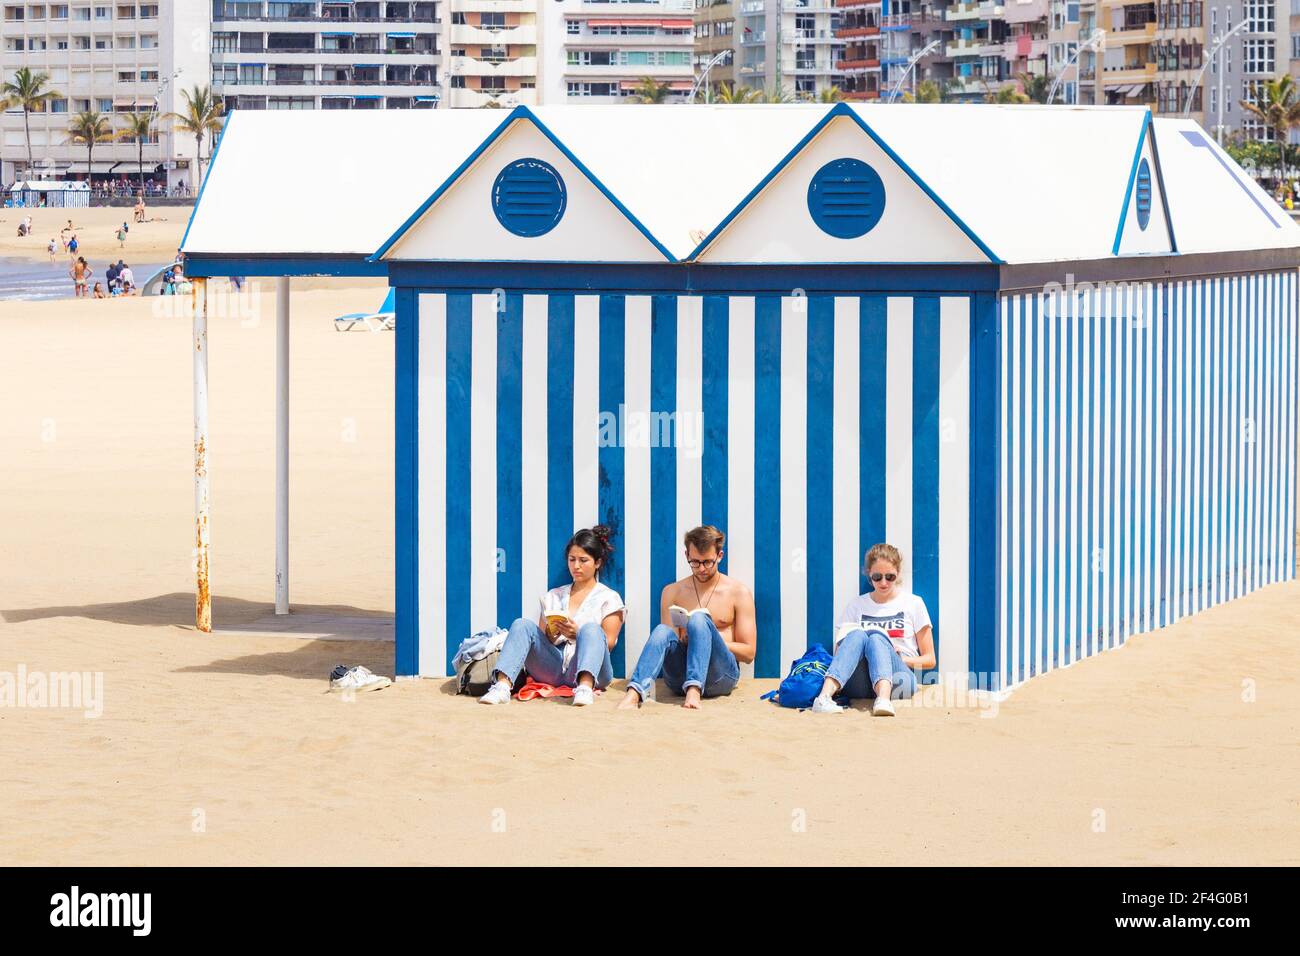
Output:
x=706 y=630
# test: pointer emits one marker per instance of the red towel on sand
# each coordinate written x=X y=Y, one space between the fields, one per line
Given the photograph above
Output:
x=537 y=689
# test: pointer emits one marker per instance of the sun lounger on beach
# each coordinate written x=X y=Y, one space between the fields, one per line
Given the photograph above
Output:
x=381 y=321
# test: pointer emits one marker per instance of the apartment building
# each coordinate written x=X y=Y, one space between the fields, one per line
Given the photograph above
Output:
x=112 y=58
x=493 y=52
x=325 y=54
x=789 y=45
x=859 y=28
x=1260 y=52
x=715 y=36
x=600 y=51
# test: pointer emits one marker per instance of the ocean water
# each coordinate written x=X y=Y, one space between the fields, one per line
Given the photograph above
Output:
x=22 y=280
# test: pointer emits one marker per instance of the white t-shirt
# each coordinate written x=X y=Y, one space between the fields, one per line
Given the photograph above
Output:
x=900 y=618
x=600 y=602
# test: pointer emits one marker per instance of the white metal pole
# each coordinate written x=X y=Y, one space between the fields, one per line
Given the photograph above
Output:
x=1219 y=129
x=203 y=594
x=282 y=445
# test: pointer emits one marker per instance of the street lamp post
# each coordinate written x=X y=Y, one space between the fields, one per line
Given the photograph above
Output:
x=1217 y=47
x=1096 y=41
x=898 y=85
x=704 y=77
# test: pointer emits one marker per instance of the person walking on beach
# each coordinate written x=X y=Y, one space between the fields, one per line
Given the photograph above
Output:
x=73 y=245
x=881 y=638
x=139 y=208
x=703 y=658
x=51 y=250
x=577 y=627
x=80 y=273
x=121 y=236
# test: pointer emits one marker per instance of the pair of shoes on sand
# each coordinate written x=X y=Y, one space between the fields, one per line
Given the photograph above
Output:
x=357 y=679
x=499 y=693
x=881 y=707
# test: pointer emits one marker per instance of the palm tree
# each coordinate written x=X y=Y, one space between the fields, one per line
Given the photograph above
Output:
x=727 y=93
x=776 y=94
x=1277 y=107
x=139 y=126
x=650 y=90
x=1036 y=87
x=28 y=92
x=89 y=128
x=928 y=91
x=1004 y=94
x=832 y=94
x=201 y=116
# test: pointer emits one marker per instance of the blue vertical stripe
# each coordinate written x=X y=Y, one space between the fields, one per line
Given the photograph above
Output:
x=510 y=454
x=873 y=360
x=560 y=385
x=610 y=455
x=820 y=480
x=987 y=560
x=767 y=485
x=713 y=399
x=665 y=535
x=406 y=517
x=459 y=381
x=925 y=456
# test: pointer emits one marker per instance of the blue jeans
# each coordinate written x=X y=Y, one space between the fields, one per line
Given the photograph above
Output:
x=705 y=661
x=864 y=658
x=527 y=647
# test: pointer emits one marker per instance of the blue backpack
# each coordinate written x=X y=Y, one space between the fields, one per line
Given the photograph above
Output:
x=804 y=682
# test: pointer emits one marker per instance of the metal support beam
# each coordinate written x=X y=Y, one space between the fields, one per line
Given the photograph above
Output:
x=203 y=594
x=282 y=445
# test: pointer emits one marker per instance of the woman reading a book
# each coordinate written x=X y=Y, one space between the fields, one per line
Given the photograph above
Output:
x=578 y=625
x=881 y=637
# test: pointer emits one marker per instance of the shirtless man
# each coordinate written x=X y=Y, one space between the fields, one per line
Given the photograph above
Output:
x=702 y=659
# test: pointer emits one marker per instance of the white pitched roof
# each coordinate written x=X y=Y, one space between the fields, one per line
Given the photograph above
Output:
x=311 y=182
x=1215 y=205
x=1030 y=183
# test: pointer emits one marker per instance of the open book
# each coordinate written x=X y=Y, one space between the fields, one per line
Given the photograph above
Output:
x=680 y=616
x=552 y=620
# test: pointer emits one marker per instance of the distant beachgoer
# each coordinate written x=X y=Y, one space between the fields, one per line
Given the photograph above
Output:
x=139 y=208
x=121 y=237
x=111 y=276
x=80 y=273
x=98 y=291
x=73 y=245
x=127 y=278
x=52 y=250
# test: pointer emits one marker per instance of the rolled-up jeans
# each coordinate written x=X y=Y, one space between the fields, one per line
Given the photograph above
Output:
x=705 y=661
x=528 y=647
x=865 y=658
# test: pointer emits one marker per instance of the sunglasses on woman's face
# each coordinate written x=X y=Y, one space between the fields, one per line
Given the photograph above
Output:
x=888 y=577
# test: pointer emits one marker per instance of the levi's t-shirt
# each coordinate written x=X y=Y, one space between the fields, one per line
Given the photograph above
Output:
x=900 y=618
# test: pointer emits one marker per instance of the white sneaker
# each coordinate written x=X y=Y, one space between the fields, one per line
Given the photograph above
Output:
x=883 y=707
x=583 y=696
x=824 y=705
x=498 y=693
x=358 y=680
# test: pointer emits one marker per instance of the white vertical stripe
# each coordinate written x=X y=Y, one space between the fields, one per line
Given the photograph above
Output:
x=432 y=487
x=898 y=423
x=794 y=478
x=533 y=530
x=1038 y=646
x=483 y=464
x=1005 y=512
x=1020 y=471
x=740 y=445
x=586 y=413
x=1051 y=417
x=954 y=483
x=689 y=431
x=847 y=453
x=640 y=594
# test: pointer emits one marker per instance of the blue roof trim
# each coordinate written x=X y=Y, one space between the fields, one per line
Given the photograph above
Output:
x=203 y=184
x=1197 y=139
x=843 y=109
x=273 y=264
x=524 y=113
x=1160 y=184
x=1132 y=179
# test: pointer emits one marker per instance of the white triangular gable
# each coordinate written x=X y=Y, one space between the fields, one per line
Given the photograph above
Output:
x=1154 y=239
x=776 y=225
x=461 y=224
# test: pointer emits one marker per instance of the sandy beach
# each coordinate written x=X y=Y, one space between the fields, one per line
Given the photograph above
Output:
x=226 y=748
x=154 y=240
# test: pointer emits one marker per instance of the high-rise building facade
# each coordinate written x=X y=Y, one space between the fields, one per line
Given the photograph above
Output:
x=789 y=46
x=715 y=43
x=859 y=28
x=604 y=51
x=325 y=54
x=109 y=58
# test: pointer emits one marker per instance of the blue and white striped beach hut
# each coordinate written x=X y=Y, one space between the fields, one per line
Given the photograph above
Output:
x=1050 y=353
